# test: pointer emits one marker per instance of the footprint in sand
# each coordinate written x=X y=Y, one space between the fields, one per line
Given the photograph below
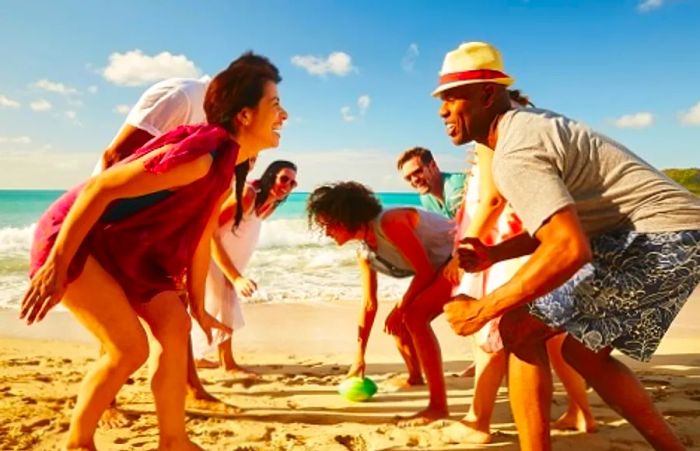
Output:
x=352 y=442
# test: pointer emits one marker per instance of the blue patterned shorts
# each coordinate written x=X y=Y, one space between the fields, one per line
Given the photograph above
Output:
x=629 y=294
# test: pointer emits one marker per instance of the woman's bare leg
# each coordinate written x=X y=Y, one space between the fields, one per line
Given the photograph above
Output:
x=490 y=369
x=578 y=414
x=169 y=322
x=229 y=363
x=419 y=314
x=623 y=392
x=404 y=344
x=98 y=303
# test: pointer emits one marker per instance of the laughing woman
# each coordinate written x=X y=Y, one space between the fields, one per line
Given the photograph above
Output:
x=133 y=242
x=233 y=246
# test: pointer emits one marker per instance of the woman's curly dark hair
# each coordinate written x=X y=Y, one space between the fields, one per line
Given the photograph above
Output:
x=350 y=204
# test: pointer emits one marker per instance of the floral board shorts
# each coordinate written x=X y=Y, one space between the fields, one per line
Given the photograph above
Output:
x=630 y=292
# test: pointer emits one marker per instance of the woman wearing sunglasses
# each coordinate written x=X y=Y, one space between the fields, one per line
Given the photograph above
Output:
x=399 y=242
x=233 y=246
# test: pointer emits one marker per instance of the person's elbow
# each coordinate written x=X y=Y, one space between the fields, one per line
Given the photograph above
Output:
x=574 y=251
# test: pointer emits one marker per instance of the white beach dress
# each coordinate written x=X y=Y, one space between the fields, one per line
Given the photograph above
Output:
x=220 y=298
x=479 y=284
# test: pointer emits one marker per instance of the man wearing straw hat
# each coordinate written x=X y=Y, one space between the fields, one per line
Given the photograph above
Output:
x=615 y=248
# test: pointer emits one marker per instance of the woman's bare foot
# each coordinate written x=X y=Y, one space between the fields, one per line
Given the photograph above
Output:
x=406 y=382
x=469 y=371
x=203 y=400
x=206 y=363
x=113 y=418
x=184 y=444
x=575 y=421
x=464 y=431
x=426 y=416
x=238 y=371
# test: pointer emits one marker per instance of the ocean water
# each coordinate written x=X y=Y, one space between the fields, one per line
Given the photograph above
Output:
x=290 y=264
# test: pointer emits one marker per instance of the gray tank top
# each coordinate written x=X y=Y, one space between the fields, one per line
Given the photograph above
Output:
x=435 y=232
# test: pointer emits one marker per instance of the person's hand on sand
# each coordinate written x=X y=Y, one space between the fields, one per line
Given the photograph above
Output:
x=465 y=314
x=244 y=286
x=357 y=368
x=394 y=321
x=473 y=255
x=451 y=271
x=208 y=323
x=45 y=291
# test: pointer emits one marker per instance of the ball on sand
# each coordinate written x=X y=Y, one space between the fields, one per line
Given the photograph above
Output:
x=357 y=389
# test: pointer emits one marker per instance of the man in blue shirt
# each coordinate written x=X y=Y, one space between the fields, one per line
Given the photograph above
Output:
x=440 y=192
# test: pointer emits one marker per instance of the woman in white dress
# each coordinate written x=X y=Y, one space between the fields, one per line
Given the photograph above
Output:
x=233 y=246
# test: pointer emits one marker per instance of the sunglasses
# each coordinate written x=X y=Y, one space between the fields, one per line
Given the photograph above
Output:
x=415 y=173
x=284 y=179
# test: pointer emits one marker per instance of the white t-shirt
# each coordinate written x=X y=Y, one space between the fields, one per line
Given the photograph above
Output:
x=167 y=105
x=544 y=161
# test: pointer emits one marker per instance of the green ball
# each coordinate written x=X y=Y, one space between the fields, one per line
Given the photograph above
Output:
x=357 y=389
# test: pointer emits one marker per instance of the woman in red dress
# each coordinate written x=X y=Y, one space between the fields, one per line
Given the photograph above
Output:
x=133 y=243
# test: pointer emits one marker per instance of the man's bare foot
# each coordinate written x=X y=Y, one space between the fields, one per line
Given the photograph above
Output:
x=238 y=371
x=205 y=363
x=464 y=431
x=426 y=416
x=469 y=371
x=113 y=418
x=201 y=399
x=575 y=421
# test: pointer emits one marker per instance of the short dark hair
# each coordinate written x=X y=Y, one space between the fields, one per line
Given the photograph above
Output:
x=425 y=155
x=350 y=204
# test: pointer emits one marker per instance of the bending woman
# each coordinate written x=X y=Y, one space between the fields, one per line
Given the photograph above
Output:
x=399 y=242
x=234 y=242
x=132 y=242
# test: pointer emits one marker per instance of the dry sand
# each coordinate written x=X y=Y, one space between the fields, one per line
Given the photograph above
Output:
x=302 y=353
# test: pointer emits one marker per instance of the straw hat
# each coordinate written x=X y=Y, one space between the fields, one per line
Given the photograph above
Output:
x=472 y=62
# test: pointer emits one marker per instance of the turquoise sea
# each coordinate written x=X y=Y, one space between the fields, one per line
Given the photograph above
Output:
x=291 y=263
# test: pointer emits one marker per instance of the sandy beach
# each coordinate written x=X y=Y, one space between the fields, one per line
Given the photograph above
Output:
x=302 y=352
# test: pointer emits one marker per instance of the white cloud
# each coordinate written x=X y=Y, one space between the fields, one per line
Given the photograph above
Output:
x=636 y=120
x=15 y=139
x=40 y=105
x=92 y=89
x=53 y=86
x=346 y=114
x=337 y=63
x=122 y=109
x=40 y=168
x=133 y=68
x=363 y=103
x=408 y=62
x=7 y=102
x=649 y=5
x=692 y=116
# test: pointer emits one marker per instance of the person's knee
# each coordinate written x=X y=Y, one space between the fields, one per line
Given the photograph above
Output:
x=176 y=328
x=415 y=321
x=130 y=355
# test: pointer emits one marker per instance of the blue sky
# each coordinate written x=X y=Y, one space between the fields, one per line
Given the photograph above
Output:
x=628 y=68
